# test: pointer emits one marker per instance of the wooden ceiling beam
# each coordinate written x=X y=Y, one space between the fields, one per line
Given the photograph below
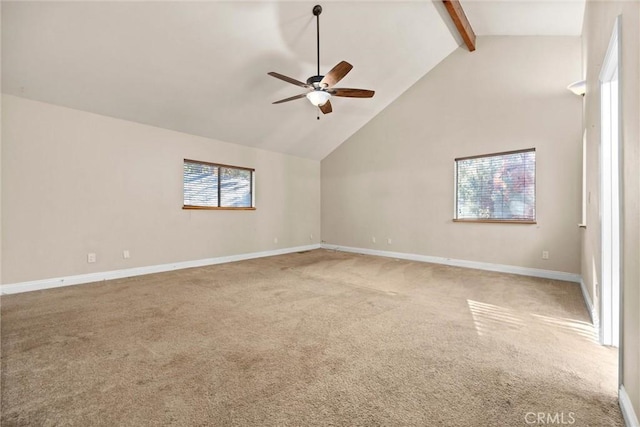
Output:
x=462 y=23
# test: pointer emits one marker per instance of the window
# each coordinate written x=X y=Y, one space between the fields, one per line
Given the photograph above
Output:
x=213 y=186
x=497 y=187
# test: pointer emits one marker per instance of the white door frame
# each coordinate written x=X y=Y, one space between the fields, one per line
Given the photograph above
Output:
x=610 y=192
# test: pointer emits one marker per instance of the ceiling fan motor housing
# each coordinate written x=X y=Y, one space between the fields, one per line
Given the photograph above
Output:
x=315 y=81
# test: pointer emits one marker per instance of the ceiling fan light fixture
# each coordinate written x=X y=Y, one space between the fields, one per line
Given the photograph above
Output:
x=318 y=97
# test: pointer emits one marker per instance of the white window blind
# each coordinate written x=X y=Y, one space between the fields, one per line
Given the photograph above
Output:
x=214 y=186
x=497 y=187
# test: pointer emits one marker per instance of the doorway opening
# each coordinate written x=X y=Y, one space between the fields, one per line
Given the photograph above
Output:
x=610 y=155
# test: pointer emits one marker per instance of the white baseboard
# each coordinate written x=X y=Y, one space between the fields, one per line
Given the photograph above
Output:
x=630 y=417
x=587 y=301
x=36 y=285
x=523 y=271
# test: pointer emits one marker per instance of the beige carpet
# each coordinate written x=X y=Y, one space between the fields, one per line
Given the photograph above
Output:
x=316 y=338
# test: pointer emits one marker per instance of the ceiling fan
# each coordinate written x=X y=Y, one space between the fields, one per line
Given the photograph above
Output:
x=321 y=87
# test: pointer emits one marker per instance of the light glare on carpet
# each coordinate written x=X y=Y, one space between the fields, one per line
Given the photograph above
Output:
x=492 y=319
x=489 y=318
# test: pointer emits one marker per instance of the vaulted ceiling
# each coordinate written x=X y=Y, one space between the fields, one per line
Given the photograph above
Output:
x=201 y=67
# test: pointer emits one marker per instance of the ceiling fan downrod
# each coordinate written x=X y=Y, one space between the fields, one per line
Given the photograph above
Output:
x=317 y=10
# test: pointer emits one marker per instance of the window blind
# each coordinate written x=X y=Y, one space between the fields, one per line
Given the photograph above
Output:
x=209 y=185
x=235 y=187
x=497 y=187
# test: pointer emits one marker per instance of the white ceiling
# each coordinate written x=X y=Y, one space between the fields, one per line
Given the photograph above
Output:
x=517 y=17
x=201 y=67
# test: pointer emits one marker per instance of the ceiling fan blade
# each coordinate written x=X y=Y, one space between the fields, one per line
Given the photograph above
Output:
x=302 y=95
x=352 y=93
x=289 y=80
x=326 y=108
x=336 y=74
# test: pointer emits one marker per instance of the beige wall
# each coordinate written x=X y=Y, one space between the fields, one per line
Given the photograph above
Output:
x=75 y=182
x=598 y=25
x=394 y=178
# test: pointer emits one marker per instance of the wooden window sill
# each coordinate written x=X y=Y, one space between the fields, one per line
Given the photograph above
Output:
x=496 y=221
x=214 y=208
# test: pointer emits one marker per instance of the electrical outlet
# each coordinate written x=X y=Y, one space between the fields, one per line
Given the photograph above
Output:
x=310 y=236
x=545 y=254
x=275 y=240
x=389 y=241
x=373 y=239
x=126 y=254
x=91 y=257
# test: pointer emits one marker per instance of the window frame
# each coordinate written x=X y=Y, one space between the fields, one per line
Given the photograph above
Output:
x=228 y=208
x=496 y=220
